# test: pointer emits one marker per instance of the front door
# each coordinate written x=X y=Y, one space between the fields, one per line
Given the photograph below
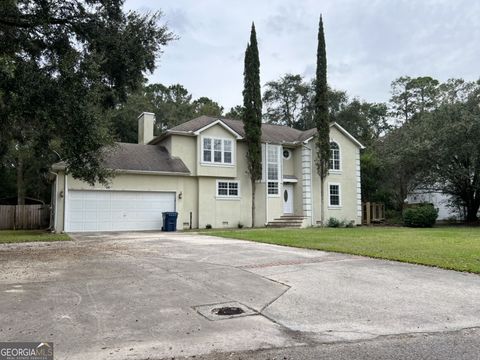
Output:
x=288 y=199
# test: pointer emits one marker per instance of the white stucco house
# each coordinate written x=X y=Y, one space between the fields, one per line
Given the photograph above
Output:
x=199 y=170
x=440 y=201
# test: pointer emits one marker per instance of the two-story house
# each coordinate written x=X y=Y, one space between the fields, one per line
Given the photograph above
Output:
x=199 y=170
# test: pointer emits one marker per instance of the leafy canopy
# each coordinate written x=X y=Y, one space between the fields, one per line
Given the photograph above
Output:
x=62 y=65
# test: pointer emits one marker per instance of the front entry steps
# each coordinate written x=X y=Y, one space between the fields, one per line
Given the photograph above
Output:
x=292 y=221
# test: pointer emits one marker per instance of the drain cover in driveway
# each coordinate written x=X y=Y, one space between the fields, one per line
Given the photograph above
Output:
x=224 y=311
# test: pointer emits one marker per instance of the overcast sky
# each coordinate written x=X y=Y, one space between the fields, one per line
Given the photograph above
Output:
x=369 y=43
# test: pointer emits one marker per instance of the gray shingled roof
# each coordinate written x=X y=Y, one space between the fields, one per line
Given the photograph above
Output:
x=139 y=157
x=276 y=134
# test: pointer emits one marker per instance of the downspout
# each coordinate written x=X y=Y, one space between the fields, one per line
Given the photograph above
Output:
x=266 y=184
x=65 y=190
x=312 y=222
x=54 y=205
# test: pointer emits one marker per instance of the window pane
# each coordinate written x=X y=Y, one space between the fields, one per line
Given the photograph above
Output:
x=207 y=144
x=334 y=163
x=272 y=173
x=227 y=157
x=207 y=155
x=217 y=156
x=272 y=154
x=222 y=188
x=217 y=144
x=233 y=189
x=334 y=195
x=272 y=188
x=227 y=145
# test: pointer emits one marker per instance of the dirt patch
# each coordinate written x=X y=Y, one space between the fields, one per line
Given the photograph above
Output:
x=51 y=252
x=34 y=262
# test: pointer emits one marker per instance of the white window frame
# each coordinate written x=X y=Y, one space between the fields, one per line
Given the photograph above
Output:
x=227 y=196
x=339 y=195
x=339 y=158
x=212 y=152
x=279 y=162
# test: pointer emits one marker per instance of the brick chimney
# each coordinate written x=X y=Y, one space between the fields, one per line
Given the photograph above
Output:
x=145 y=127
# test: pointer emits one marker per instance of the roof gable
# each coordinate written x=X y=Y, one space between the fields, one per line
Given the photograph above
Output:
x=223 y=125
x=311 y=133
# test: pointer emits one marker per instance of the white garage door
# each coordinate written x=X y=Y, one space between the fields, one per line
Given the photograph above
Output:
x=117 y=210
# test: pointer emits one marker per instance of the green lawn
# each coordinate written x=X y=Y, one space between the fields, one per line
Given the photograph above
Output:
x=456 y=248
x=17 y=236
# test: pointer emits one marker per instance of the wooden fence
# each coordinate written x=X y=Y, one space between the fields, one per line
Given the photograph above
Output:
x=24 y=217
x=373 y=213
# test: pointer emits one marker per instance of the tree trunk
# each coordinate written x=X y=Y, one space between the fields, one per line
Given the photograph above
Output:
x=253 y=202
x=20 y=183
x=472 y=210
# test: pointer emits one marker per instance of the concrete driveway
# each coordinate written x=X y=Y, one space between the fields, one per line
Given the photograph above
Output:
x=151 y=295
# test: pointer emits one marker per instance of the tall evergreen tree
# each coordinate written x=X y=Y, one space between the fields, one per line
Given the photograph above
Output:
x=252 y=114
x=321 y=116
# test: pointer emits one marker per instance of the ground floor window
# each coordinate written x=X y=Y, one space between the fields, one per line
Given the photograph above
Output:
x=228 y=188
x=334 y=195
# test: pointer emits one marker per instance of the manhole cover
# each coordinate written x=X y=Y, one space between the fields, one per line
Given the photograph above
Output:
x=224 y=311
x=227 y=311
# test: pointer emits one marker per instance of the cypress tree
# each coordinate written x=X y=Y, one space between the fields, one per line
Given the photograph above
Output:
x=252 y=115
x=321 y=116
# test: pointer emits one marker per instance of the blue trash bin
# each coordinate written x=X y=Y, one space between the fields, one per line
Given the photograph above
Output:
x=169 y=221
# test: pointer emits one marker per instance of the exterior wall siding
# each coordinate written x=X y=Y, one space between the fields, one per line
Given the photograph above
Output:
x=347 y=178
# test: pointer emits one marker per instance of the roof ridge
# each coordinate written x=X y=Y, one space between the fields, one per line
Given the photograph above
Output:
x=266 y=123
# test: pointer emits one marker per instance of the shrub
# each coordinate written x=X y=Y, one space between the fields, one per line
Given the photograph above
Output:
x=335 y=223
x=208 y=226
x=423 y=215
x=393 y=217
x=350 y=224
x=240 y=225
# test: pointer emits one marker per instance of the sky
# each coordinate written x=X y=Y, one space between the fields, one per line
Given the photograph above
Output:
x=370 y=43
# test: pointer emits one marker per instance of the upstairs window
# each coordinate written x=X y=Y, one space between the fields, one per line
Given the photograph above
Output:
x=334 y=163
x=207 y=150
x=273 y=170
x=217 y=151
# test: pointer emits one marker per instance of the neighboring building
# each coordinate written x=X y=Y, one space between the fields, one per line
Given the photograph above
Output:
x=440 y=201
x=199 y=169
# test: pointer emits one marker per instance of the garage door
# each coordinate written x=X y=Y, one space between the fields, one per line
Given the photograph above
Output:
x=117 y=210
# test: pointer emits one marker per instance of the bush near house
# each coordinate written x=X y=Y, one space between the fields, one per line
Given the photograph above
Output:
x=423 y=215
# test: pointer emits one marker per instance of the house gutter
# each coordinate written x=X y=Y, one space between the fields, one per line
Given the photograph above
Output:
x=152 y=172
x=54 y=205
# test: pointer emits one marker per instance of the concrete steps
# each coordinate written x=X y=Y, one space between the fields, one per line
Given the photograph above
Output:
x=292 y=221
